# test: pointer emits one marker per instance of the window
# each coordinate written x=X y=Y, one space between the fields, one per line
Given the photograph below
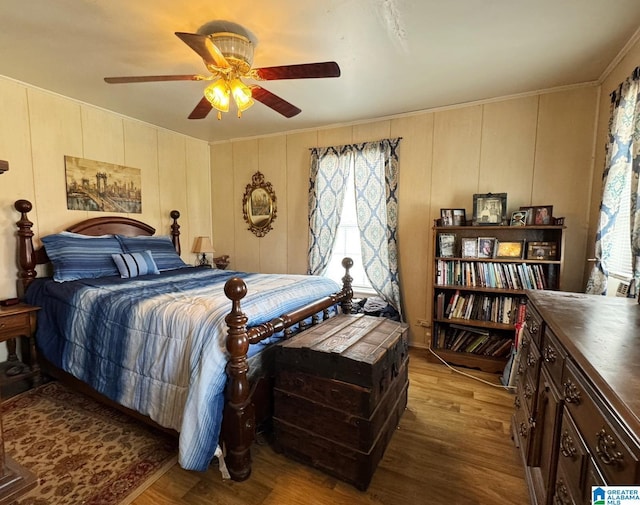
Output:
x=620 y=262
x=348 y=244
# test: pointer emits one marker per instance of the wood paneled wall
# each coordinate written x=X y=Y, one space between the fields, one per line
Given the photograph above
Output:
x=39 y=128
x=538 y=149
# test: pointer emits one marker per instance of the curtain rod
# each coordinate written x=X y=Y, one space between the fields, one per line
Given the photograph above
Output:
x=356 y=143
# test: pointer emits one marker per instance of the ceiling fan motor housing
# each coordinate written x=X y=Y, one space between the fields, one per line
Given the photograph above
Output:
x=237 y=49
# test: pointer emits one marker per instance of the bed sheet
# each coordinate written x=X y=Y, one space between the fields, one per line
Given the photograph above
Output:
x=156 y=343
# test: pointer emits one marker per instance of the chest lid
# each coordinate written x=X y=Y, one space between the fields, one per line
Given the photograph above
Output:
x=353 y=348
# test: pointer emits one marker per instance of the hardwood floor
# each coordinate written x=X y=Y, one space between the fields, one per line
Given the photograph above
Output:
x=453 y=446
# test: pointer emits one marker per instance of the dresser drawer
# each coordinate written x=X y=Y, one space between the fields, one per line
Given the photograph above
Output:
x=615 y=452
x=553 y=356
x=534 y=326
x=523 y=428
x=14 y=325
x=573 y=458
x=531 y=363
x=526 y=391
x=563 y=492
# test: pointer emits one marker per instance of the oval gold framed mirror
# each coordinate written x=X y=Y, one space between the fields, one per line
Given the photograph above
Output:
x=259 y=205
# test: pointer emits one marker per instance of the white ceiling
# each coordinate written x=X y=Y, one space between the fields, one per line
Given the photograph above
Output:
x=396 y=56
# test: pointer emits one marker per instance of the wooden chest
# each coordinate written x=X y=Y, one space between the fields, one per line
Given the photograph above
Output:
x=341 y=388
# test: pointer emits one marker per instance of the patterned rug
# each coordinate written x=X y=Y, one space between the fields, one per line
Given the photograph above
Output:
x=81 y=451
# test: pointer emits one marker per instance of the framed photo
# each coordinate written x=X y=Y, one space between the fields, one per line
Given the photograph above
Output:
x=469 y=247
x=453 y=217
x=489 y=209
x=542 y=251
x=519 y=217
x=510 y=249
x=531 y=211
x=486 y=247
x=447 y=244
x=543 y=215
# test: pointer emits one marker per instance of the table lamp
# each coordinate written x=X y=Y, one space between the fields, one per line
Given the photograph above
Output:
x=203 y=246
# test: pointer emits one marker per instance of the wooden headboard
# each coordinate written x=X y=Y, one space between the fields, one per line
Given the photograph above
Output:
x=28 y=257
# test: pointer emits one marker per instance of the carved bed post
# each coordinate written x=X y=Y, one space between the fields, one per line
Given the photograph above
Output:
x=238 y=421
x=175 y=230
x=26 y=256
x=347 y=290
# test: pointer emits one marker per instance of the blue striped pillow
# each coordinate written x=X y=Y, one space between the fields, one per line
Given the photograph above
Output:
x=81 y=257
x=135 y=264
x=161 y=247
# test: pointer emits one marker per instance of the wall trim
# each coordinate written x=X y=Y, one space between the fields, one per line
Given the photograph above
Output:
x=442 y=108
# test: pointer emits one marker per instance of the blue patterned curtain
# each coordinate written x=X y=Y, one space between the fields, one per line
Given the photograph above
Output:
x=329 y=174
x=375 y=167
x=376 y=184
x=622 y=167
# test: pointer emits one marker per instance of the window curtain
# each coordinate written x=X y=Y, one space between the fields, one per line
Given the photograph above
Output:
x=329 y=174
x=376 y=185
x=622 y=166
x=375 y=167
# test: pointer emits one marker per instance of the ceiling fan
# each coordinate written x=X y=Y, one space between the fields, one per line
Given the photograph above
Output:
x=229 y=56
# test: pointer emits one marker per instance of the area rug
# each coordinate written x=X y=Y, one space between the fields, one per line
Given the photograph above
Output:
x=81 y=451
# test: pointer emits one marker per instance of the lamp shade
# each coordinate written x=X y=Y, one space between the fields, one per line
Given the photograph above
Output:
x=203 y=245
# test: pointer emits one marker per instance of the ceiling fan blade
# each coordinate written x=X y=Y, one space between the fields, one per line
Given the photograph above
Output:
x=302 y=71
x=275 y=102
x=153 y=78
x=207 y=50
x=201 y=110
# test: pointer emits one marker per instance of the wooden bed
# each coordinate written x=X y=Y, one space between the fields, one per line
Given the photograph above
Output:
x=247 y=403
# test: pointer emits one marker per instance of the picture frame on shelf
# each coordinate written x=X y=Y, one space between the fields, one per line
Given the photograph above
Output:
x=469 y=247
x=489 y=209
x=544 y=251
x=453 y=217
x=486 y=247
x=447 y=245
x=519 y=217
x=543 y=215
x=530 y=214
x=510 y=250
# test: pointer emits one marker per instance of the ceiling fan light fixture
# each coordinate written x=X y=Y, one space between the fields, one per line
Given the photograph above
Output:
x=236 y=48
x=218 y=95
x=241 y=94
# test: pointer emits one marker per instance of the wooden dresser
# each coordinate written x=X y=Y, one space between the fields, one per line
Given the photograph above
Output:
x=577 y=404
x=341 y=389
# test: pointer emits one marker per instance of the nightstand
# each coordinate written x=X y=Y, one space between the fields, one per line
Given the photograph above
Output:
x=19 y=322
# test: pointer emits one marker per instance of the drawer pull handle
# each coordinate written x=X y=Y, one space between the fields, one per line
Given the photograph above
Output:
x=523 y=430
x=528 y=391
x=571 y=393
x=531 y=359
x=549 y=354
x=567 y=447
x=561 y=496
x=606 y=449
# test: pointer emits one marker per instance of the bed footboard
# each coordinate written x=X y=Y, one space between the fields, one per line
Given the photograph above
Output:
x=239 y=420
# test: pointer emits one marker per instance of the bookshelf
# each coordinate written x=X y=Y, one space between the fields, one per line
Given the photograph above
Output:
x=480 y=277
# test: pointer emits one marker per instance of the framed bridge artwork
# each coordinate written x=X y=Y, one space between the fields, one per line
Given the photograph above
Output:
x=105 y=187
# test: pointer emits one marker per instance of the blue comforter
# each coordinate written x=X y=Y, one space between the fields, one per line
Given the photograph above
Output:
x=156 y=344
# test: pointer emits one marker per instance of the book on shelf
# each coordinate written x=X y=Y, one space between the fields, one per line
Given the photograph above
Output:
x=489 y=274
